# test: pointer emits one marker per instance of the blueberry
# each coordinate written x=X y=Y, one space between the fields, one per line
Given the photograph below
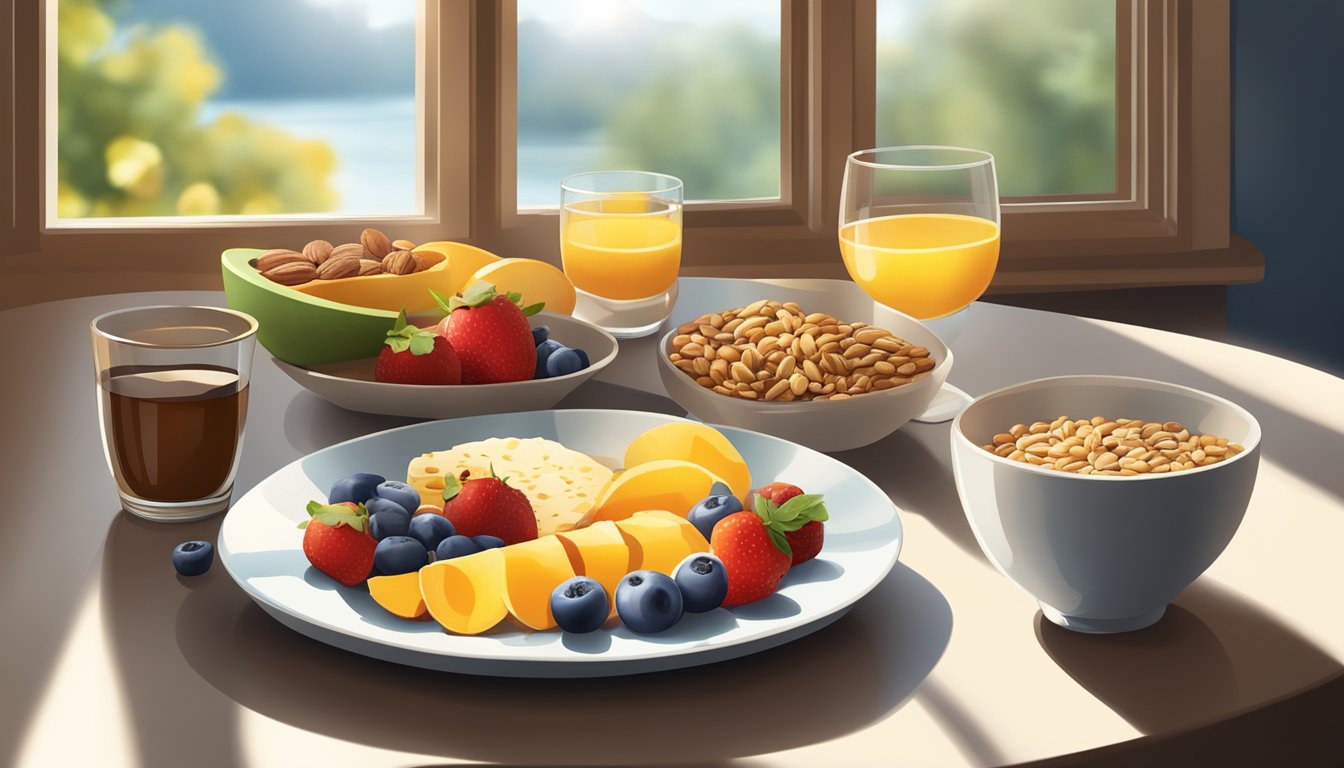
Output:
x=540 y=334
x=580 y=605
x=192 y=558
x=357 y=488
x=456 y=546
x=397 y=491
x=711 y=510
x=399 y=554
x=583 y=358
x=430 y=529
x=389 y=521
x=703 y=582
x=544 y=351
x=648 y=602
x=563 y=362
x=485 y=541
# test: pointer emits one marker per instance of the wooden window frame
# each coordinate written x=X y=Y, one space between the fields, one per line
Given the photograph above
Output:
x=1167 y=225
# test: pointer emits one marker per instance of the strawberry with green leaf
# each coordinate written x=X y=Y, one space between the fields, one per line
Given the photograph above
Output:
x=489 y=506
x=754 y=546
x=412 y=355
x=337 y=542
x=805 y=541
x=490 y=333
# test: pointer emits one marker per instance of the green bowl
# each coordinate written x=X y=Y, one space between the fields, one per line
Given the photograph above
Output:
x=298 y=328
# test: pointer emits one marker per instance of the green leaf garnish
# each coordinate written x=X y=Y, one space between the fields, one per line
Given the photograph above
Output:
x=780 y=541
x=422 y=343
x=532 y=309
x=404 y=336
x=477 y=294
x=790 y=516
x=451 y=487
x=444 y=301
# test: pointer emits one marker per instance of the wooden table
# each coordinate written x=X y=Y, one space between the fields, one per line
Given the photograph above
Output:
x=111 y=659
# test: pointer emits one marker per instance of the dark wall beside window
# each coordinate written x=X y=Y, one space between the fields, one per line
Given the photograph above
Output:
x=1288 y=176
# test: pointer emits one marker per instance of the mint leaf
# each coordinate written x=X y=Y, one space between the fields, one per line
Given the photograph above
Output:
x=765 y=509
x=421 y=343
x=806 y=507
x=532 y=309
x=451 y=487
x=779 y=541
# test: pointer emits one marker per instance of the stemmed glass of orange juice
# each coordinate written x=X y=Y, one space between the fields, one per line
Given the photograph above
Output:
x=620 y=242
x=919 y=232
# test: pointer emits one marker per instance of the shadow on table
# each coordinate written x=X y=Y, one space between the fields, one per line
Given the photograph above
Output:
x=863 y=667
x=312 y=423
x=1211 y=655
x=172 y=716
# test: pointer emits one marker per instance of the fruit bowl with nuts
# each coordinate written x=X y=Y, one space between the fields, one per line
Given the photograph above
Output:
x=1104 y=496
x=815 y=361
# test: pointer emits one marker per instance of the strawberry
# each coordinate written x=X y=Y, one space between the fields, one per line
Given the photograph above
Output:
x=487 y=505
x=412 y=355
x=805 y=541
x=337 y=541
x=755 y=547
x=490 y=333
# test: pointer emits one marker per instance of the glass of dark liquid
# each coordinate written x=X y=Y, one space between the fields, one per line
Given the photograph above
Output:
x=172 y=399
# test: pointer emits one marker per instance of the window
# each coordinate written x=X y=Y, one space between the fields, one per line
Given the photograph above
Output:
x=211 y=109
x=688 y=88
x=1109 y=118
x=1031 y=82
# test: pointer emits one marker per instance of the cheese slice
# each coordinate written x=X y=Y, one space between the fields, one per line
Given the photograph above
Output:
x=600 y=553
x=660 y=540
x=561 y=484
x=466 y=594
x=532 y=570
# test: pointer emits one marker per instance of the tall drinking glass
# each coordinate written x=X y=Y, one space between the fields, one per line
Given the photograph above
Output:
x=172 y=400
x=620 y=241
x=919 y=232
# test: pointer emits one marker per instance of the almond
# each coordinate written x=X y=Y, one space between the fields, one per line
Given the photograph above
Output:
x=335 y=269
x=272 y=259
x=403 y=245
x=349 y=251
x=400 y=263
x=317 y=251
x=370 y=267
x=291 y=273
x=376 y=243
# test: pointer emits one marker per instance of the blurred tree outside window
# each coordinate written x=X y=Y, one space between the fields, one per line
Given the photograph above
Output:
x=1032 y=81
x=197 y=108
x=690 y=88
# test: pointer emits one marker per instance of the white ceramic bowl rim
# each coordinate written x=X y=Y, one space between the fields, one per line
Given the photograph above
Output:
x=1250 y=443
x=812 y=405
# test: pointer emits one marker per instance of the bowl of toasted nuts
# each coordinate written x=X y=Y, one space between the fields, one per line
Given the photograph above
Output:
x=1104 y=496
x=816 y=361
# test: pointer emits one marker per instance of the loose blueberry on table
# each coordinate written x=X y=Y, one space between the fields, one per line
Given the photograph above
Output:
x=192 y=558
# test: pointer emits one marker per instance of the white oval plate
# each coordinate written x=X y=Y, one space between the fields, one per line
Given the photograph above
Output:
x=351 y=385
x=259 y=545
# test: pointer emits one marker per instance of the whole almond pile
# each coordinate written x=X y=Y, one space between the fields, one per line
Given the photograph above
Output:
x=374 y=254
x=775 y=351
x=1102 y=446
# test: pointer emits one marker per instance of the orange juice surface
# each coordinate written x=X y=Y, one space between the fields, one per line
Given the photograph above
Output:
x=620 y=255
x=924 y=264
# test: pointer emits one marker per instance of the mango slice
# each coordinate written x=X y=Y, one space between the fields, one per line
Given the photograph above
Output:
x=535 y=280
x=399 y=595
x=463 y=261
x=599 y=552
x=669 y=484
x=660 y=539
x=696 y=443
x=532 y=570
x=466 y=594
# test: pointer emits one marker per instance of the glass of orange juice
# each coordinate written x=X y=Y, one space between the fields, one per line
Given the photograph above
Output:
x=620 y=243
x=919 y=232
